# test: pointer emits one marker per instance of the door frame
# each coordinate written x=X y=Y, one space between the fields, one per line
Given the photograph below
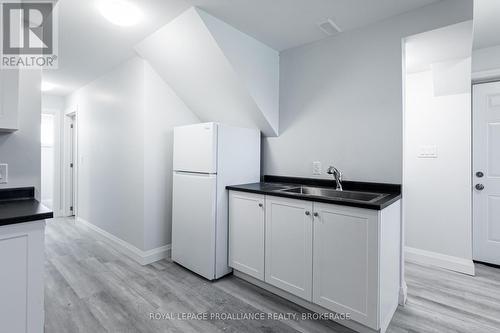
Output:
x=70 y=188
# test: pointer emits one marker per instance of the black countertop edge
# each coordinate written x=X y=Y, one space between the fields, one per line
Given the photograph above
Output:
x=25 y=218
x=17 y=193
x=18 y=205
x=266 y=187
x=346 y=184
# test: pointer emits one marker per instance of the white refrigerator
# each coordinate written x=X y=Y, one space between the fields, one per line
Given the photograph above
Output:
x=207 y=158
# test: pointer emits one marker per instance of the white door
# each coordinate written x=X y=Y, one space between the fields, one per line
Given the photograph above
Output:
x=288 y=258
x=486 y=168
x=246 y=233
x=195 y=148
x=345 y=278
x=193 y=222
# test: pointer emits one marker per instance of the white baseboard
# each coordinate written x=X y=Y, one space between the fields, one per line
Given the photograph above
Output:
x=424 y=257
x=403 y=294
x=142 y=257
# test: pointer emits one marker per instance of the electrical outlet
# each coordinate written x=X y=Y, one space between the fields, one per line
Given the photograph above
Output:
x=317 y=168
x=4 y=173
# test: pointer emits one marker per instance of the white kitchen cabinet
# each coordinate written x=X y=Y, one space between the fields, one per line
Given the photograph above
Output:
x=335 y=258
x=21 y=277
x=9 y=93
x=288 y=248
x=246 y=233
x=345 y=275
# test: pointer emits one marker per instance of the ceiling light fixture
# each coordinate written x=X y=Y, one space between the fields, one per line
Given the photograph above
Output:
x=120 y=12
x=46 y=86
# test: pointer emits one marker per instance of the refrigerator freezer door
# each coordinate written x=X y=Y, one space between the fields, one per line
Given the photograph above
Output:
x=193 y=222
x=195 y=148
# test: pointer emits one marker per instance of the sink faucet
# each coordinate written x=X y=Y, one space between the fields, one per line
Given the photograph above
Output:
x=337 y=175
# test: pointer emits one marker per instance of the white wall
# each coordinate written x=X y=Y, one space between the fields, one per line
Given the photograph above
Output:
x=486 y=59
x=437 y=191
x=341 y=98
x=486 y=46
x=256 y=63
x=162 y=112
x=21 y=149
x=125 y=120
x=110 y=152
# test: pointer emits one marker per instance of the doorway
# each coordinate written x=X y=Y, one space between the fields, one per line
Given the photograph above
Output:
x=437 y=207
x=486 y=172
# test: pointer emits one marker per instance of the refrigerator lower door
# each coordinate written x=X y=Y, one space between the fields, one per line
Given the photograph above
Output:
x=194 y=222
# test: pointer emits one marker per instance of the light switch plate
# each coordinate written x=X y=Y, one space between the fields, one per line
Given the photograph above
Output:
x=427 y=151
x=4 y=173
x=316 y=168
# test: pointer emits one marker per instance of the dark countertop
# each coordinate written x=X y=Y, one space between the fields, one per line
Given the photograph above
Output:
x=18 y=205
x=271 y=185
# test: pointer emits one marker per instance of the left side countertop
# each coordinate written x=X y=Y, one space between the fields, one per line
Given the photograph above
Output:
x=18 y=205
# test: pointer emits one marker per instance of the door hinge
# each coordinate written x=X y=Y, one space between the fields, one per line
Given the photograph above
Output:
x=71 y=208
x=71 y=165
x=71 y=125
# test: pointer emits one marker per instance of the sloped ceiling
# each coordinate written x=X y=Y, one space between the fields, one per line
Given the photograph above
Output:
x=220 y=73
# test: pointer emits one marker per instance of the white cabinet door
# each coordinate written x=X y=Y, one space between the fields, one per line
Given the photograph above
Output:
x=21 y=277
x=345 y=265
x=289 y=245
x=246 y=233
x=9 y=90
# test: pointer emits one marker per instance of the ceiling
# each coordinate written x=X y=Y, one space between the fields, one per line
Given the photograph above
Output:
x=440 y=45
x=89 y=45
x=486 y=23
x=284 y=24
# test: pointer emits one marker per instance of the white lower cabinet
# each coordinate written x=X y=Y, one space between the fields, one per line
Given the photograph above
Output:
x=246 y=233
x=289 y=231
x=21 y=277
x=337 y=258
x=345 y=261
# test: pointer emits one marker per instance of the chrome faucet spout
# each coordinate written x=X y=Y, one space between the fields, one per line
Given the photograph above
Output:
x=337 y=175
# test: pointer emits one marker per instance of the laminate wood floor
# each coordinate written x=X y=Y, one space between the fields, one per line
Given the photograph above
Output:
x=90 y=287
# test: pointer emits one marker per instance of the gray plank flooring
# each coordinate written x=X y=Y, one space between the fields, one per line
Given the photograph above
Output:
x=90 y=287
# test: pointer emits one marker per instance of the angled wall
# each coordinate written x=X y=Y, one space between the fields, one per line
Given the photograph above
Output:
x=220 y=73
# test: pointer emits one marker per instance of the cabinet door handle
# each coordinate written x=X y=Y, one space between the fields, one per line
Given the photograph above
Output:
x=308 y=213
x=261 y=205
x=316 y=214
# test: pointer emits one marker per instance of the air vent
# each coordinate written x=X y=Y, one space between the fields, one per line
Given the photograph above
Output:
x=329 y=27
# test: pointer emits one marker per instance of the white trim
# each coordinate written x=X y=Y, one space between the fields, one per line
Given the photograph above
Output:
x=403 y=294
x=452 y=263
x=140 y=256
x=486 y=75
